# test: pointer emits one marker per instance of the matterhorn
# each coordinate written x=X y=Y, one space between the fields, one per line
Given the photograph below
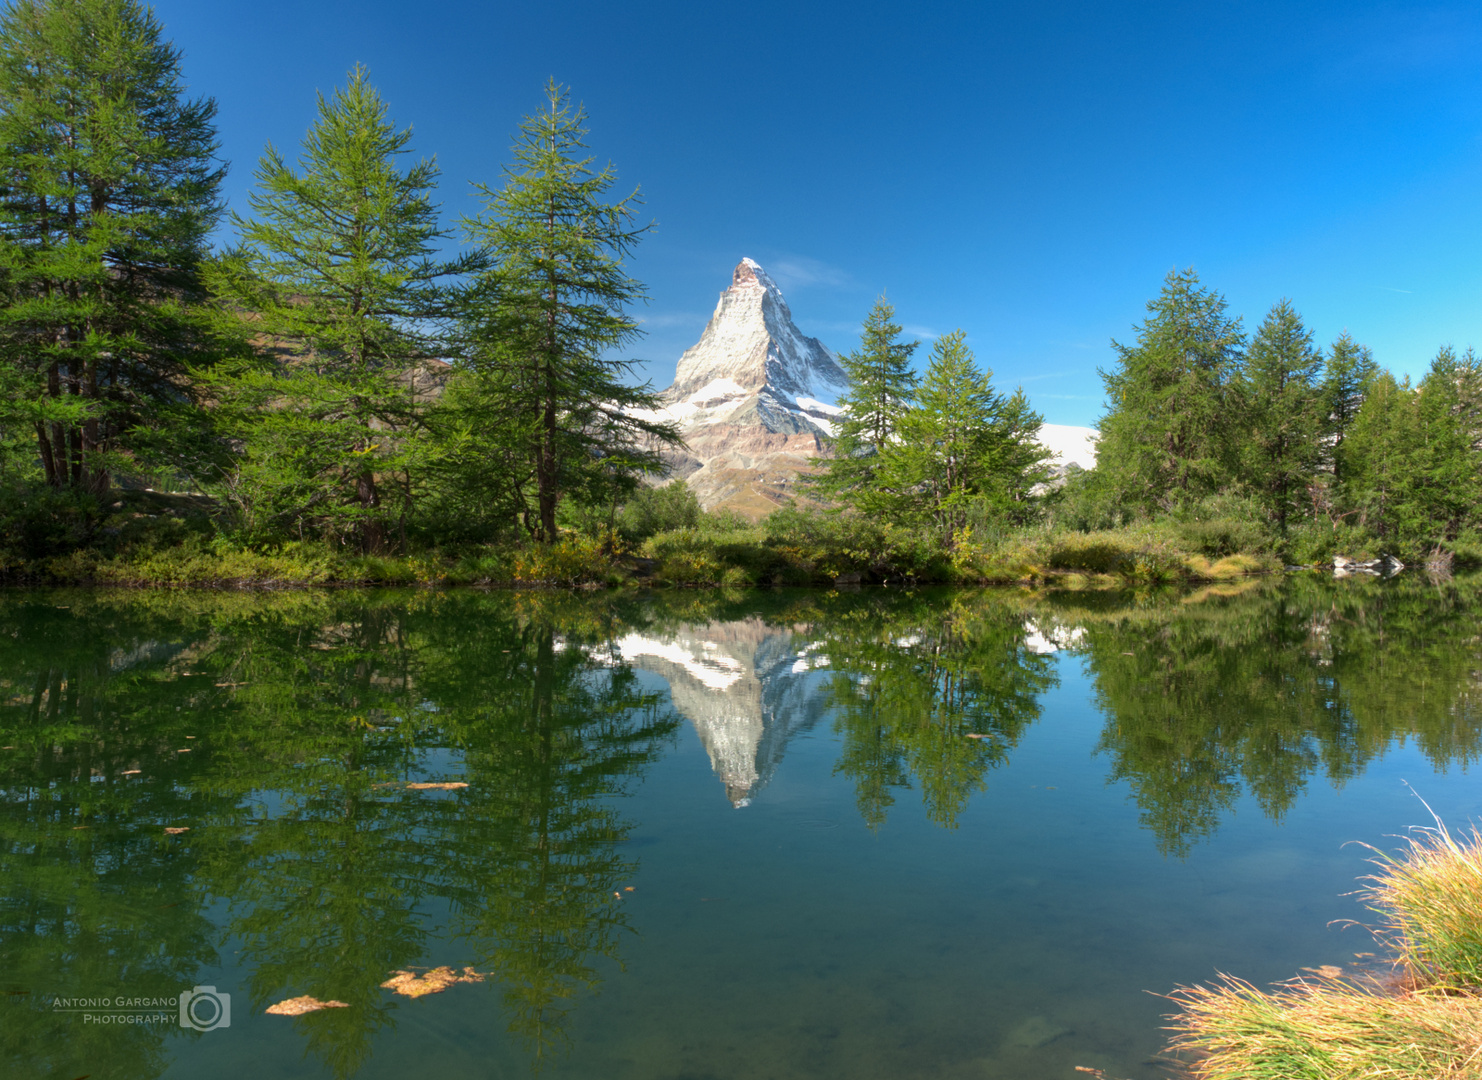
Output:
x=754 y=398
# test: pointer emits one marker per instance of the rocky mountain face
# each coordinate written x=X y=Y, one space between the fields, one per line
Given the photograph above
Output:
x=754 y=398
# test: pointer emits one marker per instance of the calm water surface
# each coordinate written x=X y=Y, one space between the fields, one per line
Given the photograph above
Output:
x=702 y=835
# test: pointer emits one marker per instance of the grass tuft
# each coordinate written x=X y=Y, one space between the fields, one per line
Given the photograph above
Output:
x=1424 y=1025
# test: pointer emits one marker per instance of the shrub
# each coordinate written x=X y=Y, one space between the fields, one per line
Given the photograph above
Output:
x=574 y=560
x=659 y=509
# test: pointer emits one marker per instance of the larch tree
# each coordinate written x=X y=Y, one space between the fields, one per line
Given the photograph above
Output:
x=964 y=450
x=1164 y=437
x=1349 y=370
x=881 y=389
x=108 y=188
x=547 y=318
x=338 y=271
x=1279 y=402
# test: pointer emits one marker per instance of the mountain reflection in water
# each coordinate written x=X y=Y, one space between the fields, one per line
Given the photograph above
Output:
x=283 y=732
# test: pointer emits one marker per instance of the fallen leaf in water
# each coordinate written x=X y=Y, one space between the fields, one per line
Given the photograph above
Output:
x=76 y=827
x=175 y=830
x=975 y=735
x=408 y=984
x=300 y=1005
x=7 y=748
x=1327 y=971
x=627 y=888
x=130 y=772
x=1049 y=787
x=618 y=895
x=190 y=736
x=450 y=786
x=185 y=751
x=1363 y=956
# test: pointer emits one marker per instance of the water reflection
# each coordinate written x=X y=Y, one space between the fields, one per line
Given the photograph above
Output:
x=282 y=737
x=742 y=684
x=282 y=733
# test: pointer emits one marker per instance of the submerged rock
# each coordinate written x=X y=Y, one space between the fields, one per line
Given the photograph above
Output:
x=1034 y=1032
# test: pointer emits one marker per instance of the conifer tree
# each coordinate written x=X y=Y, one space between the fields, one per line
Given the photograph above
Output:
x=547 y=315
x=1349 y=370
x=881 y=388
x=338 y=268
x=108 y=189
x=1281 y=407
x=1164 y=438
x=963 y=449
x=1416 y=468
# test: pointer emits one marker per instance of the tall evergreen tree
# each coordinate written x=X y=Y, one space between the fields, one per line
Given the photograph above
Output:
x=549 y=313
x=1164 y=435
x=108 y=189
x=338 y=269
x=1280 y=405
x=1349 y=370
x=881 y=388
x=963 y=450
x=1416 y=467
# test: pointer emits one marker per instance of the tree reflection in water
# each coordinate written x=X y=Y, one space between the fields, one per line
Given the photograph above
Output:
x=283 y=732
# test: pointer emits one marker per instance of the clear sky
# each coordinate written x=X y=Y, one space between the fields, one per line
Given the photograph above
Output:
x=1027 y=171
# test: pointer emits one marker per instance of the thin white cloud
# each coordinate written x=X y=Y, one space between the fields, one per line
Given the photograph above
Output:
x=1386 y=288
x=676 y=319
x=799 y=271
x=1046 y=375
x=921 y=332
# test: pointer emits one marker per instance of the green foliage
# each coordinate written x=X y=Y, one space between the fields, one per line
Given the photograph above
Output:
x=881 y=389
x=108 y=189
x=1413 y=455
x=659 y=509
x=543 y=321
x=1349 y=370
x=1164 y=436
x=963 y=450
x=1280 y=401
x=39 y=520
x=337 y=269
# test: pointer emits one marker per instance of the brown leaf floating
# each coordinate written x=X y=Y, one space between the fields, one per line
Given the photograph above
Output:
x=300 y=1005
x=408 y=984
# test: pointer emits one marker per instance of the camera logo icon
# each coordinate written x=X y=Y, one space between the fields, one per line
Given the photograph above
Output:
x=203 y=1009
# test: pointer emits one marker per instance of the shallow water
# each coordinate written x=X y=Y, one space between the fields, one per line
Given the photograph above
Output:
x=703 y=835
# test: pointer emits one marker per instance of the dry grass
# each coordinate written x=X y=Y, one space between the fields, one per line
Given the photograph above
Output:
x=1328 y=1029
x=1423 y=1024
x=1431 y=897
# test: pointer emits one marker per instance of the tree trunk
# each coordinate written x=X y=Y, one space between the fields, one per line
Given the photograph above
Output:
x=372 y=528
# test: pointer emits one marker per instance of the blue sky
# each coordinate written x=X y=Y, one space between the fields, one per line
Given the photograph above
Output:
x=1027 y=172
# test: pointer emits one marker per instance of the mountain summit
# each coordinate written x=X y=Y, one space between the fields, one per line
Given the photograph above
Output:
x=754 y=398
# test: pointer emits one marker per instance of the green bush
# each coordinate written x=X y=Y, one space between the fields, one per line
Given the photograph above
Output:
x=38 y=521
x=659 y=509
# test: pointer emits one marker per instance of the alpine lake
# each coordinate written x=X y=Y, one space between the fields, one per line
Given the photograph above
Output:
x=879 y=833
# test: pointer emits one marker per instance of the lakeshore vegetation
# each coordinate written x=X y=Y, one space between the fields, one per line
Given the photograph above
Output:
x=313 y=391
